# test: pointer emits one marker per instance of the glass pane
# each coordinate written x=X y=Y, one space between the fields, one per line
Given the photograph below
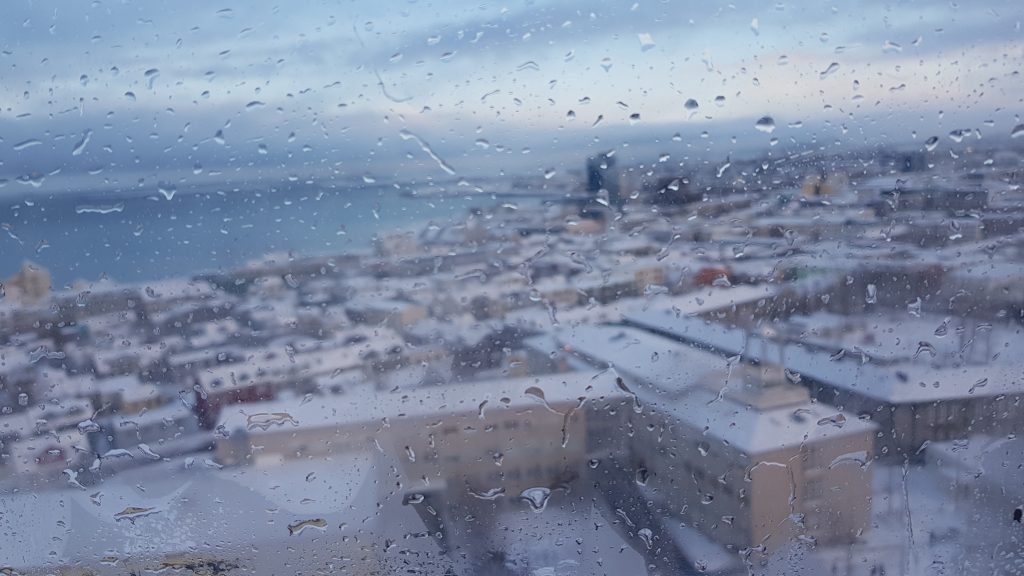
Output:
x=538 y=288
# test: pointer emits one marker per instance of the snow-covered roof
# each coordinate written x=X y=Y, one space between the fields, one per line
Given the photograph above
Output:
x=433 y=401
x=903 y=382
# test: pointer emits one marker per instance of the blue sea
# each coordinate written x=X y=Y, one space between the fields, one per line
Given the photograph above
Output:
x=139 y=238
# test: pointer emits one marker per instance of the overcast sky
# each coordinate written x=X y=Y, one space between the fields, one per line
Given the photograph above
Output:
x=128 y=94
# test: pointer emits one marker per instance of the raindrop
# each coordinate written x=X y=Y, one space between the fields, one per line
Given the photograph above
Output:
x=691 y=106
x=890 y=46
x=606 y=63
x=646 y=41
x=168 y=191
x=298 y=527
x=536 y=497
x=131 y=513
x=765 y=124
x=410 y=454
x=151 y=76
x=646 y=536
x=264 y=420
x=642 y=476
x=80 y=146
x=755 y=27
x=88 y=426
x=871 y=296
x=720 y=100
x=637 y=407
x=1018 y=131
x=829 y=71
x=925 y=347
x=99 y=208
x=703 y=447
x=492 y=494
x=254 y=105
x=837 y=420
x=914 y=308
x=931 y=143
x=425 y=147
x=26 y=144
x=979 y=384
x=148 y=452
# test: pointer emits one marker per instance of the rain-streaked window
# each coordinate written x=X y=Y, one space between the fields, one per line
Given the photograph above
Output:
x=539 y=288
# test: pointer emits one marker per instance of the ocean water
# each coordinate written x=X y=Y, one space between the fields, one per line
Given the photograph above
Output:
x=138 y=238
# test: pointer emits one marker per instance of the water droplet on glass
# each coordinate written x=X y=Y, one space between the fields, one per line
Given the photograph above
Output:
x=691 y=106
x=890 y=46
x=131 y=513
x=837 y=420
x=99 y=208
x=1018 y=131
x=148 y=452
x=646 y=536
x=264 y=420
x=537 y=498
x=491 y=494
x=425 y=147
x=88 y=426
x=765 y=124
x=641 y=476
x=871 y=296
x=150 y=76
x=703 y=447
x=646 y=41
x=914 y=308
x=82 y=143
x=931 y=143
x=829 y=71
x=168 y=191
x=755 y=27
x=925 y=347
x=637 y=407
x=315 y=523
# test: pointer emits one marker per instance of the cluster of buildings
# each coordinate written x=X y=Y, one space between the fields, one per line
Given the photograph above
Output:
x=678 y=372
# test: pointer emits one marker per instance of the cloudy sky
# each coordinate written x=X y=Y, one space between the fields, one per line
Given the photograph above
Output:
x=130 y=94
